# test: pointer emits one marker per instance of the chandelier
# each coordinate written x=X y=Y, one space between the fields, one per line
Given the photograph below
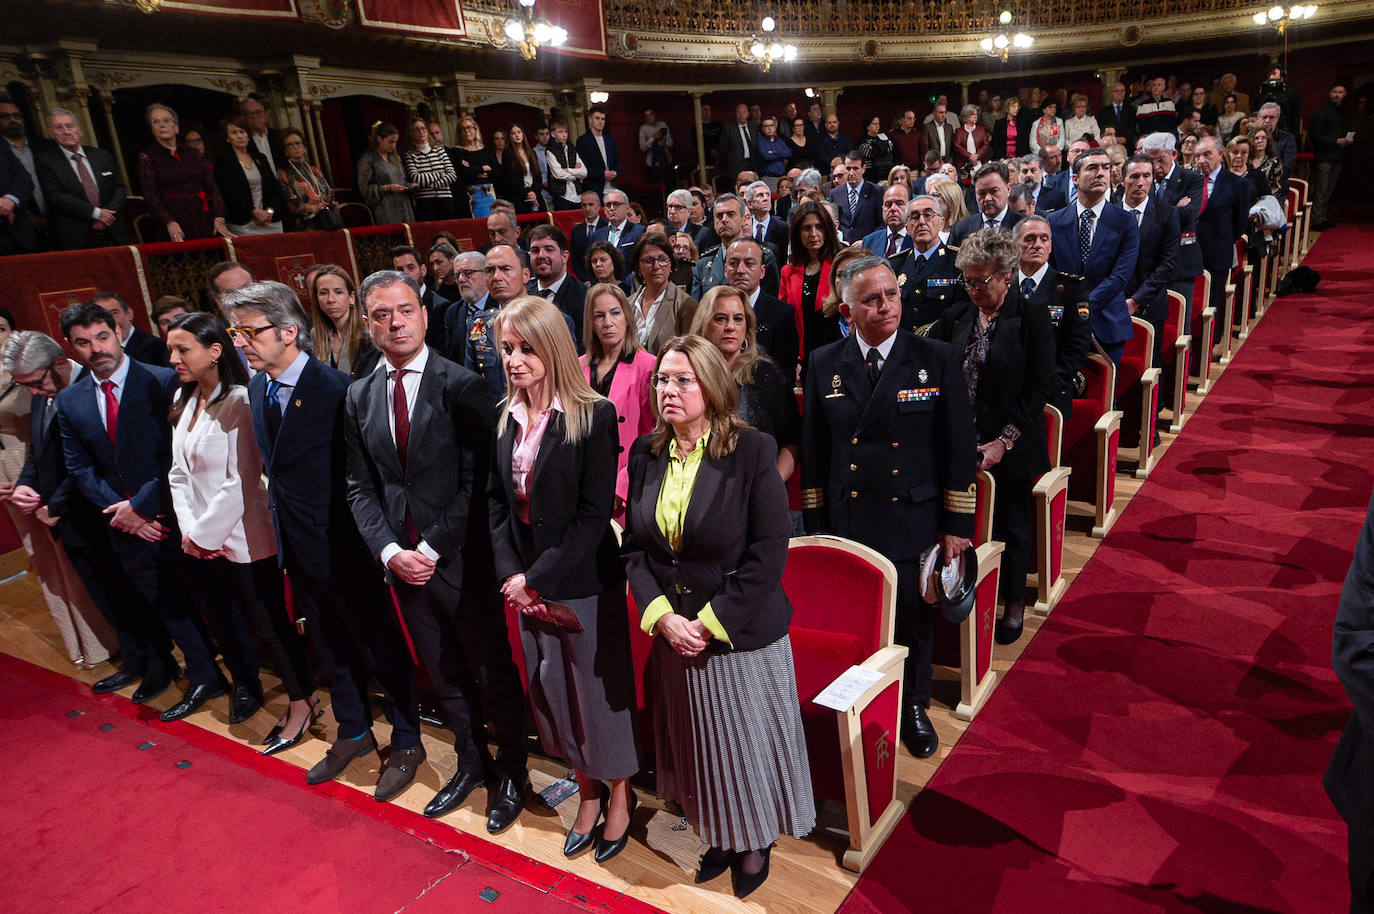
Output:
x=1001 y=44
x=1280 y=18
x=766 y=50
x=532 y=33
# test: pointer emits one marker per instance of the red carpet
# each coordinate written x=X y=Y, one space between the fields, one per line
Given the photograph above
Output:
x=1160 y=744
x=94 y=822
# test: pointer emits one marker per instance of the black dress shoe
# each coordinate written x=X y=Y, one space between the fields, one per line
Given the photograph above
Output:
x=506 y=806
x=156 y=684
x=452 y=794
x=1008 y=628
x=339 y=755
x=115 y=681
x=576 y=843
x=245 y=702
x=605 y=849
x=400 y=769
x=714 y=862
x=745 y=883
x=918 y=733
x=195 y=697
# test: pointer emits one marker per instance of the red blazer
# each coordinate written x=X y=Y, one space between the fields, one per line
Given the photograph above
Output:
x=981 y=142
x=790 y=291
x=631 y=394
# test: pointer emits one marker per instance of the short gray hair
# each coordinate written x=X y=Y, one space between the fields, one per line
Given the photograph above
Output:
x=383 y=279
x=614 y=190
x=1278 y=109
x=60 y=112
x=27 y=351
x=987 y=245
x=1157 y=141
x=277 y=303
x=858 y=265
x=929 y=198
x=681 y=196
x=1025 y=223
x=967 y=110
x=478 y=256
x=810 y=177
x=1029 y=159
x=730 y=198
x=755 y=186
x=159 y=106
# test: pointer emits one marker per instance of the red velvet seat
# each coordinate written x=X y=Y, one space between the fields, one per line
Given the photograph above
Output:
x=1091 y=437
x=1050 y=496
x=1173 y=379
x=1137 y=395
x=967 y=646
x=1203 y=331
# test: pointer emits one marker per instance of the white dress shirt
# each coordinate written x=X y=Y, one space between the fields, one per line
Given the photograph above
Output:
x=70 y=156
x=410 y=381
x=120 y=375
x=1078 y=209
x=884 y=348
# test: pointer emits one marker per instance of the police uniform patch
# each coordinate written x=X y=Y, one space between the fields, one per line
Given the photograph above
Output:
x=923 y=376
x=1083 y=311
x=901 y=280
x=917 y=394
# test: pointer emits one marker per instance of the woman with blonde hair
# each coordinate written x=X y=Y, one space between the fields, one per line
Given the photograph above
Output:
x=618 y=368
x=705 y=545
x=476 y=168
x=952 y=195
x=337 y=323
x=900 y=174
x=557 y=557
x=766 y=399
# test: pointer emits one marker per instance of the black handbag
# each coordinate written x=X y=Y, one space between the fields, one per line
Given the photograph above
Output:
x=328 y=220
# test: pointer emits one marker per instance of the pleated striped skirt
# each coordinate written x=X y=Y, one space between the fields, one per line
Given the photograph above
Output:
x=730 y=747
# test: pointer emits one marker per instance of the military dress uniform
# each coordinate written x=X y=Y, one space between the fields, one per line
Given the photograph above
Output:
x=891 y=466
x=928 y=285
x=1066 y=298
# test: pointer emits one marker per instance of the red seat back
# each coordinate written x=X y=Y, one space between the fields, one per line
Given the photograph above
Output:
x=1137 y=357
x=986 y=491
x=1173 y=325
x=834 y=589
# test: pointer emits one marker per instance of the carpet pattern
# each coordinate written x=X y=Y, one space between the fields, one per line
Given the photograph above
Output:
x=1160 y=745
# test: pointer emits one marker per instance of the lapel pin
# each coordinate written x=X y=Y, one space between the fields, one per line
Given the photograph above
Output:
x=298 y=402
x=923 y=376
x=834 y=388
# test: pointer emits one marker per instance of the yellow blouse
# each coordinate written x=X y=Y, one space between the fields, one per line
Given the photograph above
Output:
x=670 y=514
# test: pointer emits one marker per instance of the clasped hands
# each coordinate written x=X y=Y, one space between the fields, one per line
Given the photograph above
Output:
x=521 y=596
x=127 y=520
x=412 y=567
x=688 y=637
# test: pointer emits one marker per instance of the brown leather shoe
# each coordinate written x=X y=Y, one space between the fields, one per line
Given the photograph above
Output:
x=400 y=770
x=339 y=755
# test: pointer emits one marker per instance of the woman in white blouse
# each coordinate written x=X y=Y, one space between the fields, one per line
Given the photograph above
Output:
x=221 y=506
x=1083 y=123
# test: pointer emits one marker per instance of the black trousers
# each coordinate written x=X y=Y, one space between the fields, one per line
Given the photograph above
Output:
x=225 y=617
x=259 y=595
x=916 y=630
x=1012 y=525
x=349 y=617
x=459 y=633
x=144 y=645
x=432 y=209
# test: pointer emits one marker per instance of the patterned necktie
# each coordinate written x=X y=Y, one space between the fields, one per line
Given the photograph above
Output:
x=874 y=369
x=758 y=232
x=744 y=140
x=853 y=202
x=1027 y=288
x=1085 y=234
x=111 y=410
x=272 y=409
x=990 y=223
x=87 y=180
x=892 y=239
x=1159 y=189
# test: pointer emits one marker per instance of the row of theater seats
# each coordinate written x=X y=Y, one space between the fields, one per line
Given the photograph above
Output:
x=853 y=753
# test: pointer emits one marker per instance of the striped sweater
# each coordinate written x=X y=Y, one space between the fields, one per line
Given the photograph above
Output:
x=431 y=168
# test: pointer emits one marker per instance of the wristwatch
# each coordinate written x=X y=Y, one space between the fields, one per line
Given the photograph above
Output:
x=1006 y=442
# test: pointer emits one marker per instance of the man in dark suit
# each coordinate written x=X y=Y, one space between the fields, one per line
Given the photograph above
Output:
x=82 y=188
x=831 y=144
x=1222 y=217
x=926 y=274
x=1181 y=189
x=710 y=269
x=762 y=225
x=597 y=150
x=937 y=134
x=580 y=239
x=266 y=139
x=1349 y=779
x=139 y=344
x=1147 y=294
x=619 y=230
x=45 y=489
x=549 y=264
x=775 y=322
x=891 y=238
x=1119 y=115
x=412 y=263
x=1047 y=198
x=117 y=444
x=419 y=454
x=16 y=195
x=990 y=183
x=888 y=456
x=1098 y=241
x=298 y=410
x=858 y=201
x=1063 y=296
x=739 y=144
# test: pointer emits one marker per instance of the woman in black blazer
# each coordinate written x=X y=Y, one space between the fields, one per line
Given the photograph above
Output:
x=552 y=491
x=1007 y=352
x=998 y=148
x=253 y=200
x=705 y=546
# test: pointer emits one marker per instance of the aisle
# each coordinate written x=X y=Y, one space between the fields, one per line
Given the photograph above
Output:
x=1159 y=746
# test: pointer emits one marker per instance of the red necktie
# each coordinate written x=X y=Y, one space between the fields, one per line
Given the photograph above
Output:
x=87 y=180
x=1206 y=184
x=402 y=412
x=111 y=410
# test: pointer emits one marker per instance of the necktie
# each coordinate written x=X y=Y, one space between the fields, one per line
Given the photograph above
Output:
x=892 y=238
x=49 y=409
x=615 y=235
x=401 y=410
x=874 y=369
x=546 y=294
x=1085 y=234
x=1139 y=214
x=853 y=202
x=111 y=410
x=87 y=180
x=744 y=139
x=1027 y=288
x=1206 y=188
x=990 y=223
x=758 y=232
x=272 y=409
x=1159 y=190
x=1118 y=113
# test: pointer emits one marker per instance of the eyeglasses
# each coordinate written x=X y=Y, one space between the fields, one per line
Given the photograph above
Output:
x=924 y=215
x=659 y=261
x=249 y=333
x=683 y=382
x=37 y=385
x=11 y=116
x=981 y=285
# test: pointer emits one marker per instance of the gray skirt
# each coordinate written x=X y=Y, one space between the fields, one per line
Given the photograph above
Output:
x=581 y=687
x=730 y=747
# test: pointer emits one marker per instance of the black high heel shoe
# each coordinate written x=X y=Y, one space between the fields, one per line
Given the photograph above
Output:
x=605 y=850
x=278 y=743
x=575 y=843
x=746 y=883
x=714 y=862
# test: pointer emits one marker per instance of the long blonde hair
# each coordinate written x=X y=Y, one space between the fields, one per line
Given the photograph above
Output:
x=953 y=196
x=749 y=356
x=718 y=388
x=541 y=324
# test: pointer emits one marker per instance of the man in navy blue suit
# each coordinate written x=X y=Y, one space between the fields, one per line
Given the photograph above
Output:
x=1222 y=216
x=1092 y=239
x=891 y=238
x=619 y=230
x=580 y=239
x=1180 y=188
x=1147 y=294
x=857 y=200
x=597 y=149
x=1046 y=198
x=117 y=444
x=298 y=405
